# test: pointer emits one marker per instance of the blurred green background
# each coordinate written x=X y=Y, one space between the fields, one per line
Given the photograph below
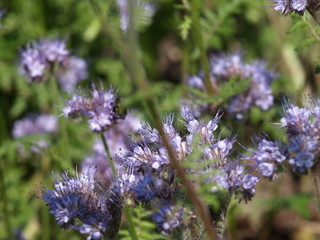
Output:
x=289 y=45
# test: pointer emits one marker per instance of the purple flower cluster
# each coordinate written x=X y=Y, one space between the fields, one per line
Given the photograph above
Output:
x=236 y=181
x=268 y=157
x=100 y=108
x=302 y=130
x=35 y=124
x=288 y=6
x=74 y=70
x=39 y=59
x=147 y=176
x=259 y=92
x=82 y=204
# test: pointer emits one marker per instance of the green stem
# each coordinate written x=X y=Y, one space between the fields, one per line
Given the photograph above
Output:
x=111 y=162
x=132 y=230
x=5 y=203
x=196 y=27
x=131 y=227
x=199 y=205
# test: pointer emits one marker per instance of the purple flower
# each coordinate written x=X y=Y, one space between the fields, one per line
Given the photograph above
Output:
x=225 y=67
x=268 y=157
x=144 y=190
x=100 y=108
x=50 y=56
x=288 y=6
x=74 y=70
x=78 y=203
x=32 y=64
x=168 y=218
x=299 y=5
x=34 y=125
x=54 y=50
x=283 y=6
x=302 y=130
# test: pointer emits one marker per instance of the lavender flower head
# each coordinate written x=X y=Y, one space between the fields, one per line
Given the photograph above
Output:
x=230 y=66
x=34 y=124
x=100 y=108
x=288 y=6
x=268 y=157
x=80 y=203
x=302 y=130
x=39 y=57
x=50 y=56
x=149 y=178
x=75 y=70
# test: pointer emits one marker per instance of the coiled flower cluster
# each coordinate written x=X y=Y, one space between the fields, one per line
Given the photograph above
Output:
x=268 y=157
x=302 y=128
x=82 y=204
x=298 y=6
x=288 y=6
x=100 y=108
x=259 y=92
x=148 y=177
x=41 y=58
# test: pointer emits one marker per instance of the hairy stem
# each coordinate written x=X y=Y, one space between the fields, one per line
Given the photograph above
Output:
x=139 y=77
x=111 y=162
x=199 y=205
x=316 y=181
x=131 y=227
x=196 y=27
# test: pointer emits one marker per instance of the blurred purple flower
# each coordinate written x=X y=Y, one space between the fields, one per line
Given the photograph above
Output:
x=75 y=70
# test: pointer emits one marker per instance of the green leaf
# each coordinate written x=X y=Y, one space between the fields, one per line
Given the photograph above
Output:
x=185 y=27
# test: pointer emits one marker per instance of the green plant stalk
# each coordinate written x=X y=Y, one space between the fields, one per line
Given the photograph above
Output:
x=131 y=227
x=315 y=171
x=196 y=28
x=139 y=78
x=5 y=203
x=230 y=219
x=199 y=205
x=111 y=162
x=132 y=230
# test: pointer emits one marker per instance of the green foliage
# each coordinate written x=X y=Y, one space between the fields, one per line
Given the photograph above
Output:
x=226 y=91
x=185 y=27
x=289 y=44
x=144 y=228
